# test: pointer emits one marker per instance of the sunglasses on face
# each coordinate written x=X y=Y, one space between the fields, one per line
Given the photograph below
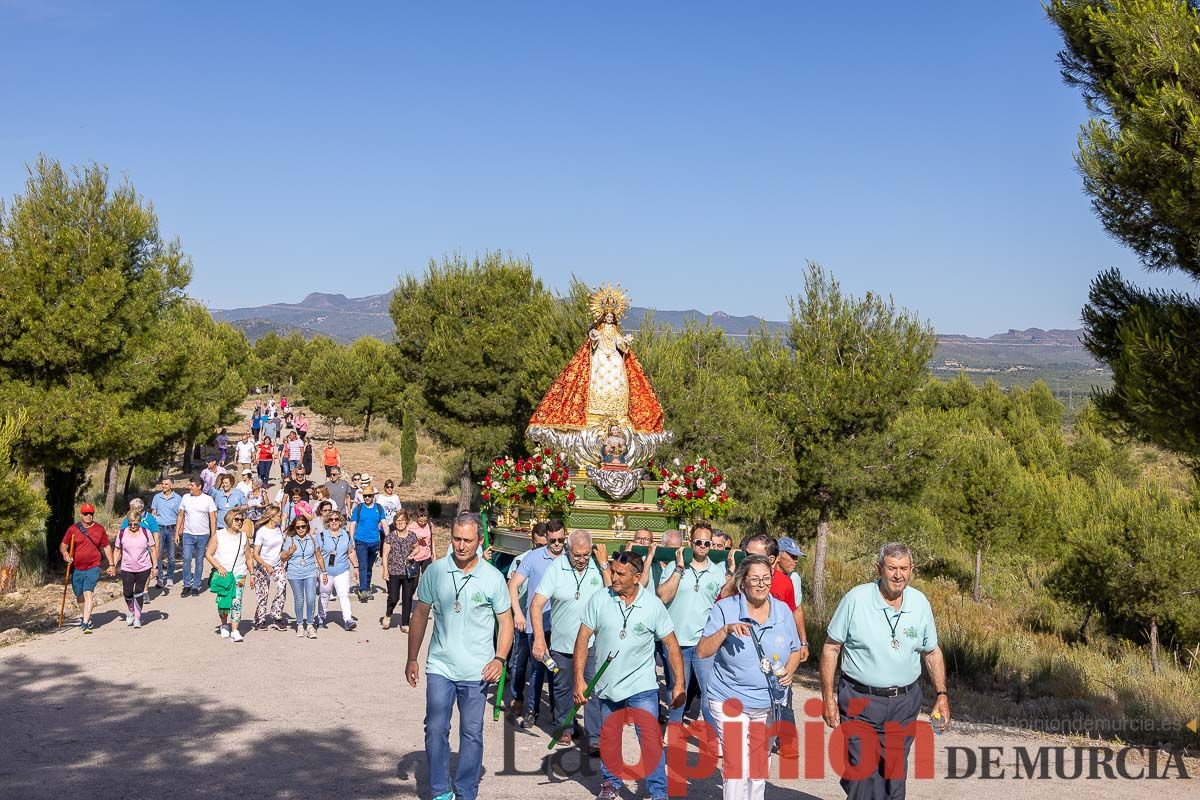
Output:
x=301 y=527
x=624 y=558
x=552 y=540
x=239 y=519
x=701 y=542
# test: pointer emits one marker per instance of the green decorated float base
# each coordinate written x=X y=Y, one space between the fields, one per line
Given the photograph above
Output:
x=610 y=522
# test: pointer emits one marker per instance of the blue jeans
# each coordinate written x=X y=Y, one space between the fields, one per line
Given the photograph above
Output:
x=441 y=695
x=656 y=781
x=304 y=595
x=193 y=560
x=518 y=667
x=166 y=553
x=538 y=676
x=367 y=553
x=285 y=467
x=702 y=667
x=564 y=689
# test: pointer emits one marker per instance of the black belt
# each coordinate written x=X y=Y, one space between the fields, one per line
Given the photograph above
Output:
x=889 y=691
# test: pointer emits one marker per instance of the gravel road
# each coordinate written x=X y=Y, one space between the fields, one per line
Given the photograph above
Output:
x=175 y=711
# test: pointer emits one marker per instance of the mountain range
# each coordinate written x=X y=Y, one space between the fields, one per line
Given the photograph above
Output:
x=1015 y=356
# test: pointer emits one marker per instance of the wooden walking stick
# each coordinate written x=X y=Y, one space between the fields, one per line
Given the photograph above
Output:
x=66 y=578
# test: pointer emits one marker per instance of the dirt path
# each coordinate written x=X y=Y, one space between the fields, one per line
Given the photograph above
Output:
x=173 y=710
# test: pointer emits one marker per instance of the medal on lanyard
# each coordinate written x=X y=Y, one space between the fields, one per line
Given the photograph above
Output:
x=625 y=619
x=458 y=591
x=893 y=625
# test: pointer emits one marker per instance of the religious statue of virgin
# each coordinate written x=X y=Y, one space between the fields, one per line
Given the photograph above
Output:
x=603 y=395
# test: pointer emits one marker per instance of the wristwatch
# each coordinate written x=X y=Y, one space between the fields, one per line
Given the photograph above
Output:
x=804 y=644
x=680 y=570
x=603 y=566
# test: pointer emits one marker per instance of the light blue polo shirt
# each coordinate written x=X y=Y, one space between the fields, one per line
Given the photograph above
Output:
x=863 y=625
x=337 y=546
x=166 y=509
x=462 y=641
x=513 y=566
x=689 y=608
x=559 y=585
x=645 y=621
x=736 y=671
x=534 y=567
x=223 y=501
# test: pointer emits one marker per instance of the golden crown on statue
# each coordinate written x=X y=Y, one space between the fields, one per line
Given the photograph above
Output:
x=609 y=299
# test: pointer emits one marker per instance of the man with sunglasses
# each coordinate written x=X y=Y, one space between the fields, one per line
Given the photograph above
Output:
x=468 y=601
x=627 y=620
x=86 y=539
x=533 y=568
x=689 y=592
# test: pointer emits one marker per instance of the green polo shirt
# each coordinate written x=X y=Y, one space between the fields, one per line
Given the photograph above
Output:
x=558 y=586
x=863 y=624
x=462 y=641
x=690 y=607
x=644 y=621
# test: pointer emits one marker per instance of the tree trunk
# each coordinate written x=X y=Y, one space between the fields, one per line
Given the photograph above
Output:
x=465 y=486
x=818 y=592
x=187 y=454
x=330 y=421
x=367 y=426
x=976 y=591
x=1087 y=617
x=1154 y=665
x=110 y=485
x=128 y=480
x=61 y=485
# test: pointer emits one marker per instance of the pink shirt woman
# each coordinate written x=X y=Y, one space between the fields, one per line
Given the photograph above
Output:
x=423 y=528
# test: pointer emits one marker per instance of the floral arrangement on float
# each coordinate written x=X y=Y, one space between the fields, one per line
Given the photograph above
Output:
x=542 y=481
x=693 y=491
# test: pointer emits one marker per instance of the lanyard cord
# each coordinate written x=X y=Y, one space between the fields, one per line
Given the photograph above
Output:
x=458 y=590
x=892 y=624
x=625 y=616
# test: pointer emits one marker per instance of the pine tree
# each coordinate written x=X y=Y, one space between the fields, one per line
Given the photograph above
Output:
x=408 y=449
x=87 y=279
x=847 y=370
x=1138 y=67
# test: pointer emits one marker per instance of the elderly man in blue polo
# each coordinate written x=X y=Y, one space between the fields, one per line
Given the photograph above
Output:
x=569 y=583
x=882 y=631
x=467 y=597
x=627 y=619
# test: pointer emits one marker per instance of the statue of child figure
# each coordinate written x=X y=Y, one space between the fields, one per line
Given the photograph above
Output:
x=614 y=446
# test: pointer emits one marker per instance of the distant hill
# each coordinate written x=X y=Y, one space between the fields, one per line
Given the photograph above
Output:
x=1013 y=357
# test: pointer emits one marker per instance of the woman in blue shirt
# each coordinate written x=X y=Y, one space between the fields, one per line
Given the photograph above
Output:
x=302 y=556
x=341 y=566
x=757 y=650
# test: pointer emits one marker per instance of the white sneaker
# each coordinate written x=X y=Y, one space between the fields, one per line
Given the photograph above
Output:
x=234 y=636
x=137 y=623
x=224 y=631
x=300 y=630
x=129 y=619
x=170 y=583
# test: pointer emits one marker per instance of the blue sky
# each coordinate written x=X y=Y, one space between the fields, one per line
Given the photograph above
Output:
x=697 y=153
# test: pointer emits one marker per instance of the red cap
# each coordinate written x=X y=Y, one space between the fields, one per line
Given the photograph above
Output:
x=87 y=508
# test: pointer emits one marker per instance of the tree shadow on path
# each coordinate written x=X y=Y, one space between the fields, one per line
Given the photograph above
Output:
x=68 y=734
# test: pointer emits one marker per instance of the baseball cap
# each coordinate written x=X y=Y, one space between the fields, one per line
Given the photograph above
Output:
x=247 y=472
x=87 y=508
x=788 y=545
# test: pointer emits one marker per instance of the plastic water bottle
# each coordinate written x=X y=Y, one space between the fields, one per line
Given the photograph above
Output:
x=935 y=720
x=549 y=663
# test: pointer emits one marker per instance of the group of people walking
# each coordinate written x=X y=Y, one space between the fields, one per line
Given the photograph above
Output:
x=319 y=542
x=726 y=627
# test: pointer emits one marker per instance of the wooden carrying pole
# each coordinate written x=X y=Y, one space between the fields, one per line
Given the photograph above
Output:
x=66 y=579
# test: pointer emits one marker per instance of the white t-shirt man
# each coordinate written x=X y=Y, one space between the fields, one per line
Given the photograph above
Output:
x=195 y=510
x=245 y=452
